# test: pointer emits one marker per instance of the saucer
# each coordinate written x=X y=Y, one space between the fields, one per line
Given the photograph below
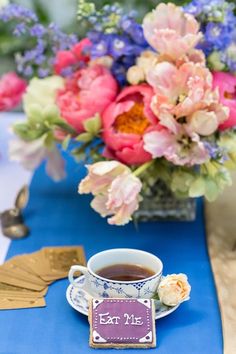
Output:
x=78 y=298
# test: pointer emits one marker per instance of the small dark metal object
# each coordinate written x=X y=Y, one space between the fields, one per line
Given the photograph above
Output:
x=12 y=220
x=22 y=198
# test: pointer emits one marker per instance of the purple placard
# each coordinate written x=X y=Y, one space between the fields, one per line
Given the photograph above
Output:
x=122 y=321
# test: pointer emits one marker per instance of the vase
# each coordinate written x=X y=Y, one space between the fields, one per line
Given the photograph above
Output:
x=160 y=203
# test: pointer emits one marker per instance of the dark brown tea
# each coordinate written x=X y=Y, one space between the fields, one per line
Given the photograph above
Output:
x=125 y=272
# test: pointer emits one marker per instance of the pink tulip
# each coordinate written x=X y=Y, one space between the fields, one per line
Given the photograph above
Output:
x=188 y=94
x=125 y=122
x=115 y=188
x=171 y=31
x=181 y=91
x=226 y=83
x=67 y=58
x=87 y=92
x=12 y=88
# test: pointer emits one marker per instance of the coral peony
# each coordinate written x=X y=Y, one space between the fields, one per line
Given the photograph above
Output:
x=226 y=83
x=115 y=188
x=67 y=58
x=171 y=31
x=31 y=153
x=11 y=90
x=125 y=122
x=87 y=92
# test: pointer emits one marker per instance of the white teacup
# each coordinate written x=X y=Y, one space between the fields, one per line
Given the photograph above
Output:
x=102 y=287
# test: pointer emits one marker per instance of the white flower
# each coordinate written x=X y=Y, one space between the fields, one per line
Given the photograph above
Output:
x=41 y=93
x=147 y=60
x=30 y=154
x=144 y=64
x=135 y=75
x=204 y=123
x=174 y=289
x=3 y=3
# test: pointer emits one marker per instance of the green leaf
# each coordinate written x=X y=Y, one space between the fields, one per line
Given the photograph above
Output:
x=24 y=131
x=212 y=190
x=66 y=142
x=34 y=113
x=93 y=125
x=155 y=296
x=223 y=179
x=49 y=140
x=79 y=153
x=63 y=125
x=51 y=113
x=84 y=137
x=181 y=181
x=197 y=188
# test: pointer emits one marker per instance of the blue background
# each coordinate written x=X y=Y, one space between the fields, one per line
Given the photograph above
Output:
x=57 y=215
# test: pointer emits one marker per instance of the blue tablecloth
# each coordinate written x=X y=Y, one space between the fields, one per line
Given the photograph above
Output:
x=58 y=216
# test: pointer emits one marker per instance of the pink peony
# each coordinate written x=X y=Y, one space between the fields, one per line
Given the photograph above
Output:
x=226 y=83
x=67 y=58
x=115 y=188
x=12 y=88
x=171 y=31
x=182 y=148
x=87 y=92
x=125 y=122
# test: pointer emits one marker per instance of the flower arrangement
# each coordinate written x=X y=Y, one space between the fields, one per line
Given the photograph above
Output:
x=141 y=101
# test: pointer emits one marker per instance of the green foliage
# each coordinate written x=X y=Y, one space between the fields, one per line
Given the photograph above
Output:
x=41 y=122
x=92 y=128
x=89 y=149
x=93 y=125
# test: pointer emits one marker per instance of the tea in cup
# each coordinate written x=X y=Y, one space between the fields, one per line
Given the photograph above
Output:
x=120 y=273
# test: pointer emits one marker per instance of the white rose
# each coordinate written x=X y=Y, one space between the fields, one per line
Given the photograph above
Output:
x=174 y=289
x=204 y=123
x=42 y=92
x=147 y=60
x=3 y=3
x=135 y=75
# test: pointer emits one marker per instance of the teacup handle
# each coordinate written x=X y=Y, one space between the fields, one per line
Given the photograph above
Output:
x=78 y=268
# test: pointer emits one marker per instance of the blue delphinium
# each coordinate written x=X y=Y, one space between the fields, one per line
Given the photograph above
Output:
x=218 y=24
x=216 y=152
x=45 y=41
x=115 y=34
x=121 y=47
x=228 y=57
x=217 y=35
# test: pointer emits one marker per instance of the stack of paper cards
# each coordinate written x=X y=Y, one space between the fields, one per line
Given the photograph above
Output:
x=24 y=279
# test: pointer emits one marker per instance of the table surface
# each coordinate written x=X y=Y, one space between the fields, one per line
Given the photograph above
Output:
x=58 y=216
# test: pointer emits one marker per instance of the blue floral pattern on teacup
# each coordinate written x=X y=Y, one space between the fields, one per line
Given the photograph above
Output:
x=79 y=300
x=139 y=289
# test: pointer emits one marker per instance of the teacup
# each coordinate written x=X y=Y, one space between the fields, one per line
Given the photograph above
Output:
x=102 y=287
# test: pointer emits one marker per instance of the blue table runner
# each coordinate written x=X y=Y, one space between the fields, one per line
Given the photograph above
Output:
x=57 y=215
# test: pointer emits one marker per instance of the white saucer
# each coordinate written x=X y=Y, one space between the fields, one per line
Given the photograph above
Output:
x=78 y=298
